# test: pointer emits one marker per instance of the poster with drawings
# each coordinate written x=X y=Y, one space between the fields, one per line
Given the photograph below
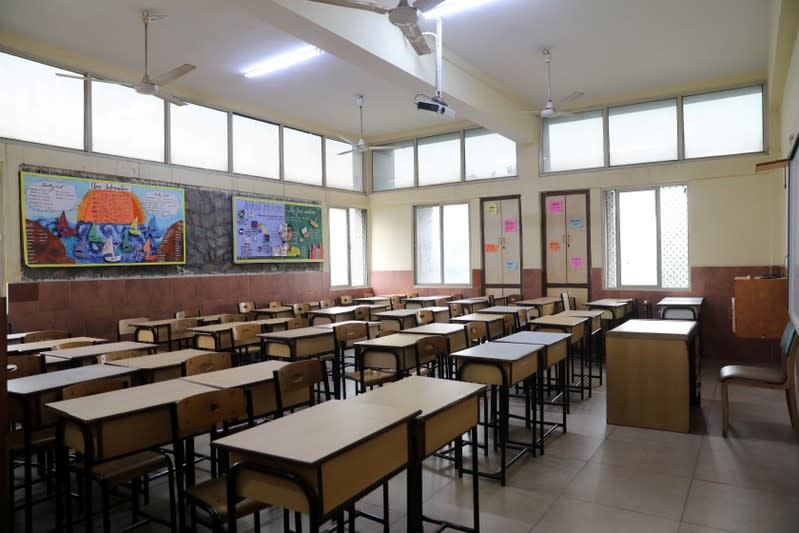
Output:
x=276 y=231
x=81 y=222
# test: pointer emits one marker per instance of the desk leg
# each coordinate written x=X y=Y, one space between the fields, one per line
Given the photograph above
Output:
x=475 y=481
x=26 y=432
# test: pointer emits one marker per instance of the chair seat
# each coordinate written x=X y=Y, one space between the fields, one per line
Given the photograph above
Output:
x=41 y=439
x=212 y=494
x=124 y=469
x=370 y=377
x=764 y=374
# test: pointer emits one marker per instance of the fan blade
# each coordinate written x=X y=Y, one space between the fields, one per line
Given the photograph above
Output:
x=414 y=36
x=426 y=5
x=386 y=147
x=573 y=96
x=171 y=99
x=344 y=153
x=347 y=140
x=172 y=75
x=355 y=4
x=73 y=76
x=92 y=78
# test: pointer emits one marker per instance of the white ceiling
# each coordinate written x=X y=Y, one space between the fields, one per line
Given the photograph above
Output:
x=604 y=48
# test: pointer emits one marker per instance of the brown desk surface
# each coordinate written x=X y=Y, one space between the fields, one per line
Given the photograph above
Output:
x=655 y=329
x=312 y=435
x=405 y=340
x=215 y=328
x=372 y=299
x=238 y=376
x=63 y=378
x=435 y=328
x=334 y=311
x=17 y=337
x=610 y=303
x=681 y=301
x=40 y=346
x=558 y=320
x=543 y=300
x=334 y=325
x=94 y=350
x=470 y=301
x=158 y=360
x=155 y=323
x=545 y=338
x=498 y=352
x=428 y=395
x=279 y=309
x=397 y=313
x=587 y=313
x=478 y=317
x=501 y=309
x=298 y=333
x=425 y=299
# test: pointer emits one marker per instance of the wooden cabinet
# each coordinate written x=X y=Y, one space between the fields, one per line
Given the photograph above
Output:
x=760 y=308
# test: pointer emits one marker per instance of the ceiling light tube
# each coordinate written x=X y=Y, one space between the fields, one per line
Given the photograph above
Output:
x=283 y=61
x=450 y=7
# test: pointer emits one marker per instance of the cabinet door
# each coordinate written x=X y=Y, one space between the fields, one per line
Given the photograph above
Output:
x=576 y=240
x=555 y=243
x=511 y=242
x=492 y=242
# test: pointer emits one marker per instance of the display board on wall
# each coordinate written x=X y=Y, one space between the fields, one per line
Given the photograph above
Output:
x=80 y=222
x=276 y=231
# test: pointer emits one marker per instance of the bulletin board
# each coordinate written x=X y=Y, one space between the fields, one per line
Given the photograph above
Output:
x=269 y=231
x=79 y=222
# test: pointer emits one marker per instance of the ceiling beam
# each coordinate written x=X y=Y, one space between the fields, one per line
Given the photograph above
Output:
x=369 y=41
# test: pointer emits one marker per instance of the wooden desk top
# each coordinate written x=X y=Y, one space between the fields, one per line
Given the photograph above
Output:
x=372 y=299
x=155 y=323
x=470 y=301
x=333 y=311
x=543 y=300
x=655 y=329
x=237 y=376
x=40 y=346
x=215 y=328
x=501 y=309
x=587 y=313
x=428 y=395
x=405 y=340
x=334 y=325
x=477 y=317
x=126 y=401
x=545 y=338
x=498 y=352
x=312 y=435
x=610 y=303
x=435 y=328
x=279 y=309
x=432 y=298
x=158 y=360
x=681 y=301
x=397 y=313
x=98 y=349
x=17 y=337
x=298 y=333
x=559 y=320
x=63 y=378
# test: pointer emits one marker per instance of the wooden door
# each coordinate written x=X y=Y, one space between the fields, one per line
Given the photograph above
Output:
x=501 y=245
x=566 y=238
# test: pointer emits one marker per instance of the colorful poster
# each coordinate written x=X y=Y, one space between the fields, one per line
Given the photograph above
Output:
x=274 y=231
x=554 y=246
x=509 y=226
x=575 y=222
x=511 y=265
x=577 y=263
x=556 y=206
x=491 y=248
x=79 y=222
x=491 y=208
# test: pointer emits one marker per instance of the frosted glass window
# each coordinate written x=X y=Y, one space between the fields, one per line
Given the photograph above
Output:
x=638 y=238
x=302 y=157
x=342 y=171
x=347 y=246
x=428 y=245
x=256 y=147
x=456 y=244
x=393 y=169
x=357 y=247
x=573 y=142
x=127 y=123
x=198 y=136
x=643 y=133
x=442 y=244
x=674 y=237
x=488 y=155
x=38 y=106
x=439 y=159
x=723 y=122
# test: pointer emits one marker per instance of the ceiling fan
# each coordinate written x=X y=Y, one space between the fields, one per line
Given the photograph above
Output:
x=404 y=16
x=361 y=145
x=147 y=85
x=550 y=110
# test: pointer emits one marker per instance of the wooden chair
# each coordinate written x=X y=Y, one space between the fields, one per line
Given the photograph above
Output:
x=431 y=352
x=424 y=316
x=513 y=298
x=275 y=303
x=97 y=386
x=490 y=300
x=522 y=318
x=678 y=313
x=457 y=296
x=509 y=323
x=72 y=344
x=362 y=313
x=26 y=365
x=396 y=302
x=45 y=335
x=345 y=299
x=125 y=331
x=207 y=362
x=246 y=307
x=298 y=379
x=188 y=313
x=246 y=342
x=455 y=310
x=301 y=310
x=781 y=377
x=180 y=331
x=296 y=323
x=442 y=302
x=232 y=317
x=345 y=335
x=476 y=332
x=116 y=356
x=208 y=412
x=324 y=304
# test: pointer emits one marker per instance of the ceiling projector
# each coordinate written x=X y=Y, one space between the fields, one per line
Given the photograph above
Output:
x=436 y=105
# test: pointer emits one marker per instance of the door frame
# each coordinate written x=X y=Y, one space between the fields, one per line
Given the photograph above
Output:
x=518 y=198
x=543 y=199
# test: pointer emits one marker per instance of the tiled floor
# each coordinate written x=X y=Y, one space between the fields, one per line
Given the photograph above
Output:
x=600 y=478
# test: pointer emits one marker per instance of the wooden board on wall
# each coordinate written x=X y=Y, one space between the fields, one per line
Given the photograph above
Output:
x=761 y=308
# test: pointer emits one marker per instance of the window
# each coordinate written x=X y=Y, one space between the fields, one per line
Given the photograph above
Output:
x=198 y=137
x=343 y=171
x=724 y=122
x=442 y=244
x=439 y=159
x=573 y=142
x=347 y=246
x=643 y=133
x=127 y=123
x=302 y=157
x=393 y=169
x=488 y=155
x=647 y=237
x=256 y=147
x=38 y=106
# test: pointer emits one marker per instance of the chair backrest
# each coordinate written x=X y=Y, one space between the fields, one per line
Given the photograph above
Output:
x=386 y=332
x=26 y=365
x=296 y=323
x=442 y=302
x=424 y=316
x=455 y=310
x=301 y=310
x=299 y=376
x=232 y=317
x=350 y=332
x=181 y=325
x=522 y=317
x=429 y=348
x=509 y=322
x=208 y=411
x=412 y=294
x=345 y=299
x=490 y=299
x=476 y=332
x=116 y=356
x=395 y=301
x=71 y=344
x=124 y=327
x=45 y=335
x=275 y=303
x=564 y=299
x=457 y=296
x=97 y=386
x=207 y=362
x=788 y=338
x=246 y=333
x=327 y=302
x=362 y=312
x=246 y=307
x=511 y=298
x=187 y=313
x=678 y=313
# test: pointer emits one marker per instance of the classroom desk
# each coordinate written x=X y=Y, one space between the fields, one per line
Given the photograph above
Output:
x=206 y=320
x=397 y=319
x=373 y=300
x=155 y=330
x=282 y=311
x=76 y=356
x=545 y=305
x=440 y=313
x=505 y=365
x=112 y=424
x=372 y=326
x=417 y=302
x=472 y=305
x=159 y=366
x=396 y=352
x=312 y=461
x=681 y=302
x=16 y=338
x=40 y=346
x=495 y=324
x=616 y=310
x=505 y=310
x=652 y=375
x=594 y=352
x=332 y=314
x=301 y=343
x=577 y=327
x=219 y=337
x=448 y=409
x=30 y=393
x=455 y=333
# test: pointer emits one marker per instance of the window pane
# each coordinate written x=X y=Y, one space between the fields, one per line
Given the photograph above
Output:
x=643 y=133
x=357 y=246
x=610 y=239
x=38 y=106
x=489 y=155
x=127 y=123
x=339 y=253
x=573 y=142
x=393 y=169
x=428 y=244
x=638 y=238
x=302 y=156
x=674 y=237
x=198 y=136
x=724 y=122
x=256 y=147
x=342 y=171
x=439 y=159
x=456 y=244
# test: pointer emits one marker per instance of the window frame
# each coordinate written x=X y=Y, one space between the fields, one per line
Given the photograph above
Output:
x=231 y=140
x=440 y=207
x=464 y=133
x=349 y=246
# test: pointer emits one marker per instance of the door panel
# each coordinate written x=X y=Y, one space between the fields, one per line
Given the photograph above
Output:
x=577 y=244
x=502 y=245
x=555 y=243
x=511 y=244
x=492 y=242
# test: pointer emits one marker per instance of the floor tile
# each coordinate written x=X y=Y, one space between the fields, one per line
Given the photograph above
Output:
x=568 y=516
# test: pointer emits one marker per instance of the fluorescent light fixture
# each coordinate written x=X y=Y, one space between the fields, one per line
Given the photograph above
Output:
x=284 y=61
x=450 y=7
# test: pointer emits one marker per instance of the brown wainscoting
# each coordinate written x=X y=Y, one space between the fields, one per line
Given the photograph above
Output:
x=715 y=284
x=401 y=281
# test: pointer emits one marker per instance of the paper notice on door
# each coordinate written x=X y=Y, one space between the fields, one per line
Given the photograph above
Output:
x=491 y=208
x=556 y=206
x=577 y=262
x=509 y=226
x=575 y=222
x=511 y=265
x=491 y=248
x=554 y=247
